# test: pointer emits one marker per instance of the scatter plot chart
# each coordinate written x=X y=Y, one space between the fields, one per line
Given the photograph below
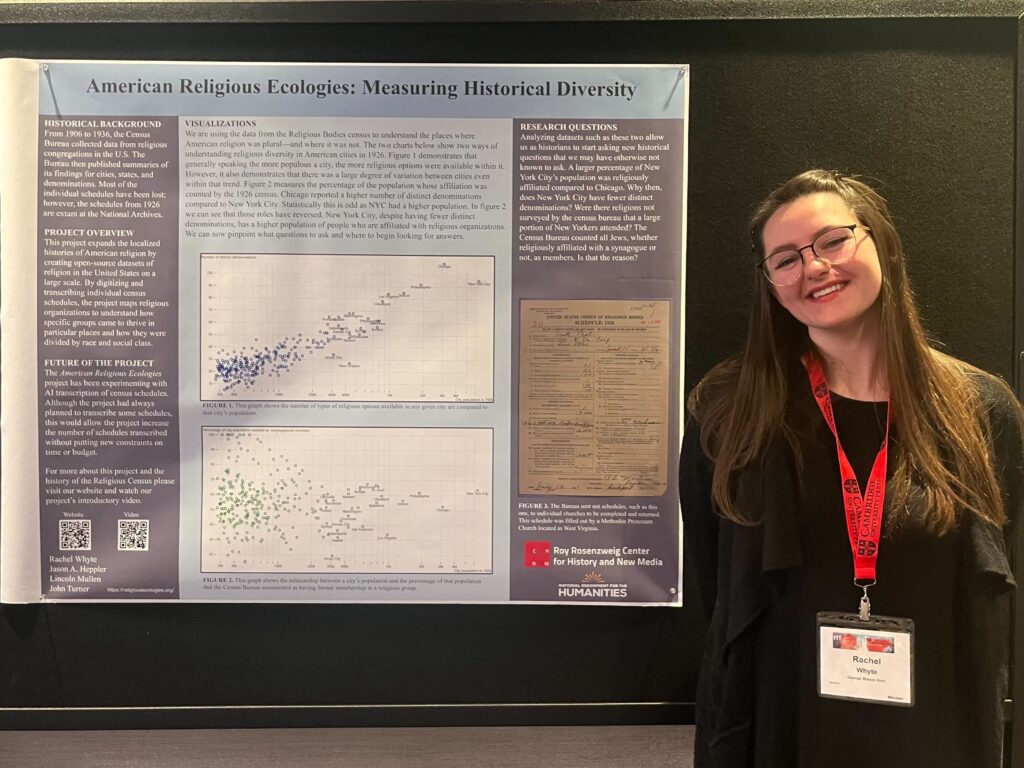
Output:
x=347 y=327
x=346 y=499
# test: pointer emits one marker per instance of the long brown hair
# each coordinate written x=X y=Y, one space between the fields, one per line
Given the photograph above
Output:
x=939 y=419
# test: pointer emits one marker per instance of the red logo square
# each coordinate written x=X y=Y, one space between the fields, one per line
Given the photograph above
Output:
x=537 y=554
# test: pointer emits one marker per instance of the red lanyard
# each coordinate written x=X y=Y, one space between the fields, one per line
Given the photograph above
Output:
x=863 y=511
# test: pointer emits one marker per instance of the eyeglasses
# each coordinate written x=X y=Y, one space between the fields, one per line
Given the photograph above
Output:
x=836 y=246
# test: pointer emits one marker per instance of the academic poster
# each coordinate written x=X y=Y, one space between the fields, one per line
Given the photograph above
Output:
x=385 y=333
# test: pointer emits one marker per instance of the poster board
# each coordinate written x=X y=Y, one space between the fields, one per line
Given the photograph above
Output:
x=236 y=665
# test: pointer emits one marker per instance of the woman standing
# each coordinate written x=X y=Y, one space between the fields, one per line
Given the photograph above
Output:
x=842 y=479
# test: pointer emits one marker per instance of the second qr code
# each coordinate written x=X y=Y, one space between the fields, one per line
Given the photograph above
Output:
x=133 y=535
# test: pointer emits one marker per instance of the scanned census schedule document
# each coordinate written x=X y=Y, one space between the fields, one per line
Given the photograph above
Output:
x=593 y=397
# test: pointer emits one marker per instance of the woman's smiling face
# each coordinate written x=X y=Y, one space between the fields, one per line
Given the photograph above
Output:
x=825 y=297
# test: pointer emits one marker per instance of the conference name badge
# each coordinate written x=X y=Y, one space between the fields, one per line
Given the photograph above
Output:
x=869 y=661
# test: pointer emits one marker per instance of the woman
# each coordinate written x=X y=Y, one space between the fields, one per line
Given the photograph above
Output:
x=768 y=487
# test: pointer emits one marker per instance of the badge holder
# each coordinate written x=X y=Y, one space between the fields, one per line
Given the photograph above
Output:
x=867 y=659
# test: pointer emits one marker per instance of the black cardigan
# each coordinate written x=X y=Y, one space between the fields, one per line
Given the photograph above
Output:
x=746 y=697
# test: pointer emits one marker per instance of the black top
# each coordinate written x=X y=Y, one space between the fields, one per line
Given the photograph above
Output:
x=756 y=704
x=916 y=579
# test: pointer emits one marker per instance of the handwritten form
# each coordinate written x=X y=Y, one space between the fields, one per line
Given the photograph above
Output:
x=593 y=397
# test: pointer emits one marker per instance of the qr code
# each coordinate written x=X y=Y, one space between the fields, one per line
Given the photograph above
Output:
x=133 y=535
x=76 y=534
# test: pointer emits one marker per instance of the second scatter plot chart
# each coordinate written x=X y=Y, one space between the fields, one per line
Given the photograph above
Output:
x=340 y=327
x=347 y=499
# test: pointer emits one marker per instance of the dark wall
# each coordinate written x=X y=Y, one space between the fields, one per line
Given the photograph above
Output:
x=925 y=107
